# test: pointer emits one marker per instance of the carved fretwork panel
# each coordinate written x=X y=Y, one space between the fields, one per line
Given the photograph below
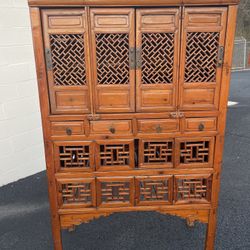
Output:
x=193 y=188
x=157 y=45
x=155 y=152
x=68 y=59
x=157 y=58
x=74 y=156
x=195 y=152
x=157 y=189
x=115 y=191
x=112 y=55
x=76 y=192
x=113 y=40
x=201 y=56
x=115 y=155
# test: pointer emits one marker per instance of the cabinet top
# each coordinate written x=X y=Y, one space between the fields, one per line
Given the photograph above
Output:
x=129 y=2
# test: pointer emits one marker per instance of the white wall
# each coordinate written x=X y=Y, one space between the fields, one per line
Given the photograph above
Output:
x=21 y=146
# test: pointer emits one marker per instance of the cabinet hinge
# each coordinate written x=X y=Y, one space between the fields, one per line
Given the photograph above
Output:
x=132 y=58
x=48 y=59
x=93 y=117
x=220 y=56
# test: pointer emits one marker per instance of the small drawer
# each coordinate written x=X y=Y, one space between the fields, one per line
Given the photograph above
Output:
x=200 y=124
x=67 y=128
x=158 y=126
x=115 y=127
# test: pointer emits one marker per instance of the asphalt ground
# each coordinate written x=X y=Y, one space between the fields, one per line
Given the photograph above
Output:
x=25 y=219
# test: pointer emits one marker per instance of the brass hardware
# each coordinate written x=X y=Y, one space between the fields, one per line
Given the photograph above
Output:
x=180 y=114
x=220 y=56
x=201 y=127
x=93 y=117
x=173 y=115
x=112 y=130
x=68 y=131
x=158 y=128
x=48 y=59
x=132 y=58
x=138 y=58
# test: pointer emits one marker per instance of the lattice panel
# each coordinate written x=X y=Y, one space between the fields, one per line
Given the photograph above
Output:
x=68 y=59
x=157 y=151
x=197 y=188
x=74 y=156
x=114 y=155
x=153 y=190
x=73 y=193
x=115 y=192
x=194 y=152
x=157 y=58
x=201 y=56
x=112 y=55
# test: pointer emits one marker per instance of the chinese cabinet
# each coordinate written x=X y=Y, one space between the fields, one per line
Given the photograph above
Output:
x=133 y=97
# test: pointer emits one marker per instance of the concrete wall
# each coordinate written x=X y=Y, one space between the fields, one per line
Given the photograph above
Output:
x=21 y=146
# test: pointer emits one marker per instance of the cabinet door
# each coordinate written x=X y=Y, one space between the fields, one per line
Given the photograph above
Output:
x=67 y=60
x=112 y=34
x=157 y=46
x=201 y=57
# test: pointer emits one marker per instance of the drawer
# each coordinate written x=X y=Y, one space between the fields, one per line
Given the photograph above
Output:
x=200 y=124
x=115 y=127
x=115 y=191
x=67 y=128
x=76 y=192
x=158 y=125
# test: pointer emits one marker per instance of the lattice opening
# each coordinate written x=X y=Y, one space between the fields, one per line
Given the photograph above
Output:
x=153 y=190
x=112 y=192
x=68 y=59
x=201 y=56
x=197 y=188
x=194 y=152
x=114 y=155
x=76 y=193
x=112 y=55
x=74 y=156
x=158 y=152
x=157 y=58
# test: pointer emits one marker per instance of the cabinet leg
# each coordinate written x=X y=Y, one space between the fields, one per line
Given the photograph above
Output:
x=56 y=232
x=211 y=230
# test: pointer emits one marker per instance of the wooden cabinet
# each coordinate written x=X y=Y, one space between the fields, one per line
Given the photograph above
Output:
x=133 y=99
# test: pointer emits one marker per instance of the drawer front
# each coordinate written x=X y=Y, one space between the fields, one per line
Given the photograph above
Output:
x=114 y=155
x=200 y=124
x=76 y=192
x=194 y=188
x=74 y=156
x=67 y=128
x=115 y=191
x=158 y=125
x=112 y=127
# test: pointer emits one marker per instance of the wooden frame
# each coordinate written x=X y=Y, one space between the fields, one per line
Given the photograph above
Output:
x=72 y=125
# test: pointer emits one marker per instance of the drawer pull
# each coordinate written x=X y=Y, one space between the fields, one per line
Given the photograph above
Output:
x=158 y=128
x=112 y=130
x=68 y=131
x=201 y=127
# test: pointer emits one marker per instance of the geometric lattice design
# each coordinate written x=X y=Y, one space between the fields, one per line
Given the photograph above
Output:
x=197 y=188
x=157 y=58
x=114 y=154
x=68 y=59
x=194 y=152
x=153 y=190
x=201 y=56
x=157 y=152
x=76 y=193
x=112 y=55
x=115 y=191
x=74 y=156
